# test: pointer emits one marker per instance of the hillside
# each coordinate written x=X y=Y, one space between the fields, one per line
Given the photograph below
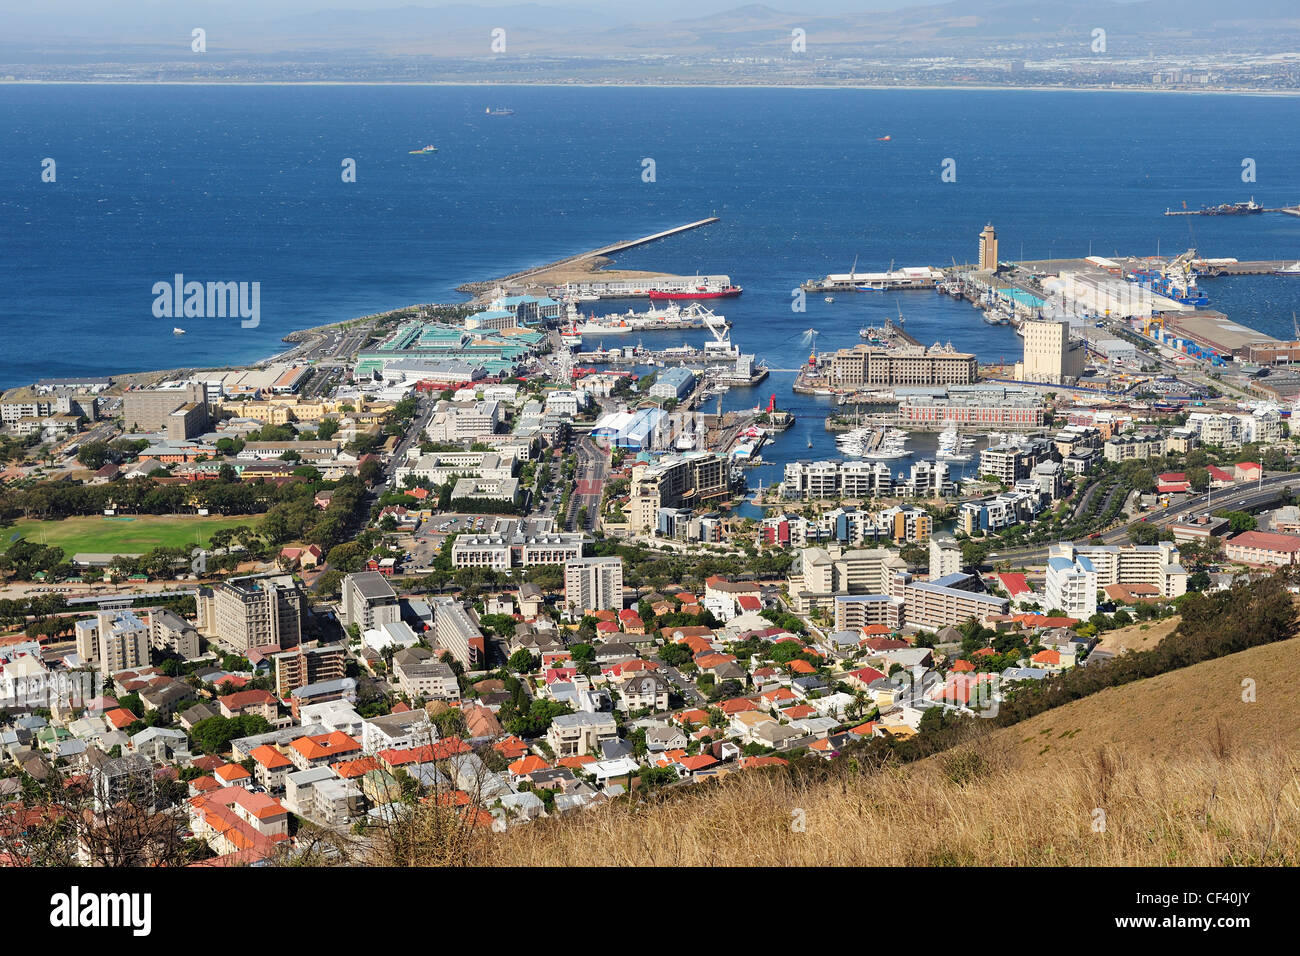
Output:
x=1185 y=773
x=1173 y=714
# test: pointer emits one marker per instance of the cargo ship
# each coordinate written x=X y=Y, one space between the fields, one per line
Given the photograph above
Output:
x=699 y=292
x=1233 y=209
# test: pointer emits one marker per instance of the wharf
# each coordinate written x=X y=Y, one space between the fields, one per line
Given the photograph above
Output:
x=578 y=268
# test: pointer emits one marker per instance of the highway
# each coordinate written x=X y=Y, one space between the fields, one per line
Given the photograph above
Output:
x=1247 y=497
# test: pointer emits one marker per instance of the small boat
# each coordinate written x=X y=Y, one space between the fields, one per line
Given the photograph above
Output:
x=424 y=151
x=830 y=298
x=178 y=331
x=884 y=139
x=1292 y=270
x=809 y=442
x=499 y=111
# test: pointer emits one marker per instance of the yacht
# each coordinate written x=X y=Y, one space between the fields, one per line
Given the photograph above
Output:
x=178 y=331
x=952 y=447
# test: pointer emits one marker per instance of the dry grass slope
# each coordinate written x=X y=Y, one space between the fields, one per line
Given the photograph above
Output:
x=1184 y=772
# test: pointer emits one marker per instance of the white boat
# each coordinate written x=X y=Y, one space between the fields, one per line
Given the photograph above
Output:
x=887 y=450
x=830 y=298
x=1292 y=270
x=952 y=446
x=178 y=331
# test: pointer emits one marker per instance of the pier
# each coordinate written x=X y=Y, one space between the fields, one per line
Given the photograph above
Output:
x=584 y=263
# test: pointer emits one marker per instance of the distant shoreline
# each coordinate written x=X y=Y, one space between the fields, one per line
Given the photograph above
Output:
x=984 y=88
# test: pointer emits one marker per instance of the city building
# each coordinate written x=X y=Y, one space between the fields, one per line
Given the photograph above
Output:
x=1263 y=548
x=1071 y=586
x=675 y=383
x=944 y=602
x=982 y=405
x=368 y=601
x=302 y=666
x=819 y=574
x=516 y=543
x=1156 y=565
x=838 y=479
x=1129 y=447
x=865 y=366
x=576 y=735
x=113 y=641
x=945 y=557
x=593 y=584
x=676 y=481
x=420 y=675
x=459 y=635
x=151 y=409
x=170 y=633
x=856 y=611
x=1051 y=356
x=252 y=612
x=989 y=248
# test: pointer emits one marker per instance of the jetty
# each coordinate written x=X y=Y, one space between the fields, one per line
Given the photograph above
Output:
x=583 y=265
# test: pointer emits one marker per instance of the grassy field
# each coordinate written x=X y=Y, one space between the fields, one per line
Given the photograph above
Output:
x=133 y=534
x=1184 y=772
x=1139 y=637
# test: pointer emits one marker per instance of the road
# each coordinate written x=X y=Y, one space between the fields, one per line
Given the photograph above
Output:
x=589 y=484
x=689 y=691
x=1243 y=498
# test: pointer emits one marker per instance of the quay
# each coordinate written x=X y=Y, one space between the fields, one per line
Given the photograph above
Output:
x=581 y=264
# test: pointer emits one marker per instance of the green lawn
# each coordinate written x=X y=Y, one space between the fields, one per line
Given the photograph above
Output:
x=128 y=534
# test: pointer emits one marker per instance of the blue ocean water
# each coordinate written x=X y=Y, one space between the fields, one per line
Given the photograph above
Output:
x=243 y=184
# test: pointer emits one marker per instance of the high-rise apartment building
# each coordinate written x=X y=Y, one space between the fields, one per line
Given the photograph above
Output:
x=593 y=584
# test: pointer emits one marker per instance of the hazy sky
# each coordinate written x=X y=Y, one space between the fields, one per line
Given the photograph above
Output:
x=79 y=17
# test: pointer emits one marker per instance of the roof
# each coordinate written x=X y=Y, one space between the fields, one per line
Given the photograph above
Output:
x=1266 y=541
x=325 y=745
x=1013 y=583
x=270 y=758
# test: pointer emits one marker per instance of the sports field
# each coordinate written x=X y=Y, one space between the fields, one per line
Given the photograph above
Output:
x=127 y=534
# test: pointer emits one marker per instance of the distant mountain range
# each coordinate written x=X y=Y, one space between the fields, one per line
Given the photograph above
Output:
x=463 y=31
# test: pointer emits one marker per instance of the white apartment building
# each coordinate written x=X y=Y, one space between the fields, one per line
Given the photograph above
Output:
x=1157 y=565
x=593 y=584
x=1071 y=586
x=818 y=574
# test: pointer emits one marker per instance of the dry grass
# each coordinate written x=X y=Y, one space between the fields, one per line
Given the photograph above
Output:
x=979 y=808
x=1139 y=637
x=1185 y=772
x=1176 y=713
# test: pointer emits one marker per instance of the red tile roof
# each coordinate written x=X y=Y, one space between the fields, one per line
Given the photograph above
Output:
x=270 y=758
x=325 y=745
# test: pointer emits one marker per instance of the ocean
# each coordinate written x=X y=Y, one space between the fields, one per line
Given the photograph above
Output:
x=244 y=184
